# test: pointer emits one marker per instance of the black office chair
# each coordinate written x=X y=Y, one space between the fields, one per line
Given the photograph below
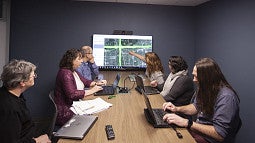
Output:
x=53 y=128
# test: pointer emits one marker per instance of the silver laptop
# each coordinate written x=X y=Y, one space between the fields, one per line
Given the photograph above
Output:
x=77 y=127
x=148 y=90
x=109 y=90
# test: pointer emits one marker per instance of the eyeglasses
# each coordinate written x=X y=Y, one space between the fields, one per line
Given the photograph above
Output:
x=34 y=76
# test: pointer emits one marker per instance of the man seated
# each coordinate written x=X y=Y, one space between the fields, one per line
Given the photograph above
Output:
x=88 y=68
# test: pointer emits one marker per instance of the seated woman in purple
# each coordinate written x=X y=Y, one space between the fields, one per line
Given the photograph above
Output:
x=70 y=85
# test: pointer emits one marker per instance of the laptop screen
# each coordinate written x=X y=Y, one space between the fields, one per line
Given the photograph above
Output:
x=116 y=81
x=148 y=105
x=139 y=82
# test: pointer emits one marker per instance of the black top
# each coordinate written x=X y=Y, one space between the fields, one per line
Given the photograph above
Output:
x=16 y=124
x=181 y=92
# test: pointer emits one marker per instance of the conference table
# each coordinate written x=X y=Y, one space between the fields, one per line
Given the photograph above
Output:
x=127 y=118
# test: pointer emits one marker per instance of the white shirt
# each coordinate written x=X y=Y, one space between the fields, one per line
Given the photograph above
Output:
x=79 y=83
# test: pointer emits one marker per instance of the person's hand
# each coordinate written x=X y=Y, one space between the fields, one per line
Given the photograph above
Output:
x=42 y=139
x=172 y=118
x=169 y=106
x=154 y=83
x=93 y=90
x=91 y=60
x=131 y=53
x=96 y=88
x=101 y=82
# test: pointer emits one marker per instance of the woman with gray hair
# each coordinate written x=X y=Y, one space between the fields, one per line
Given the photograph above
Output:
x=15 y=121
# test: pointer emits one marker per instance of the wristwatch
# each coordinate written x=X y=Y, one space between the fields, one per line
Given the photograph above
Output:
x=190 y=122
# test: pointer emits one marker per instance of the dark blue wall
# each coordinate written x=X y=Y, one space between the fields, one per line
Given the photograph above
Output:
x=42 y=30
x=225 y=31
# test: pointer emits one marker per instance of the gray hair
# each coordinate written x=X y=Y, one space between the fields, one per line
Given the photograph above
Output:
x=85 y=49
x=15 y=72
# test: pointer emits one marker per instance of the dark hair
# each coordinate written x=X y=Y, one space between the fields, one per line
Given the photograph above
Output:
x=15 y=72
x=210 y=81
x=178 y=64
x=153 y=63
x=68 y=58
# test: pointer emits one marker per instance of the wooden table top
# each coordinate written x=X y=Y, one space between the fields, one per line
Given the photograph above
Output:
x=128 y=121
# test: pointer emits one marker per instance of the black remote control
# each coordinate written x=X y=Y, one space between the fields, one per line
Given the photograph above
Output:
x=109 y=132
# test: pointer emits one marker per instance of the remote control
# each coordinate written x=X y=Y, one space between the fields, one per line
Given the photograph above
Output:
x=109 y=132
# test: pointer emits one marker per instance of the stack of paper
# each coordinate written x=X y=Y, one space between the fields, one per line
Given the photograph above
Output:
x=89 y=106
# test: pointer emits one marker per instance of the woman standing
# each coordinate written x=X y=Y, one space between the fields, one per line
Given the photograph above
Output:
x=154 y=69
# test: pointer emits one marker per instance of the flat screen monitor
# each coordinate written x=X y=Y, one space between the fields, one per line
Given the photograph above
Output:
x=112 y=51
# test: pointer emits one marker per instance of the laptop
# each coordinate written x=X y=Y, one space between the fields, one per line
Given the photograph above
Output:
x=155 y=116
x=148 y=90
x=109 y=90
x=77 y=127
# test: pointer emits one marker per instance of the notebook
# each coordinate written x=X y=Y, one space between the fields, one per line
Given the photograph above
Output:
x=155 y=116
x=77 y=127
x=148 y=90
x=109 y=90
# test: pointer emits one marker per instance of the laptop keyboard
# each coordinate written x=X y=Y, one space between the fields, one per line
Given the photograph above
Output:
x=149 y=89
x=159 y=114
x=108 y=89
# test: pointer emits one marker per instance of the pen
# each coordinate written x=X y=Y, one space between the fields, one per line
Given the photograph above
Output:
x=89 y=108
x=111 y=96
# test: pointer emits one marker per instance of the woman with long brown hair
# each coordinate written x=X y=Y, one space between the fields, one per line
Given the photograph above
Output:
x=154 y=69
x=216 y=106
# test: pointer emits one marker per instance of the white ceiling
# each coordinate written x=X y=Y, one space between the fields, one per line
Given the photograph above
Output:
x=157 y=2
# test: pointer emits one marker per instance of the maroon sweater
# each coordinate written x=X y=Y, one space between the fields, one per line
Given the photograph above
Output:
x=66 y=92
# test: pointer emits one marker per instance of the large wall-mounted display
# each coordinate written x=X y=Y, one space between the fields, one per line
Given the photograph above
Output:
x=112 y=51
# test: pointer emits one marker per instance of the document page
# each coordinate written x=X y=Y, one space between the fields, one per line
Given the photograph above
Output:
x=90 y=106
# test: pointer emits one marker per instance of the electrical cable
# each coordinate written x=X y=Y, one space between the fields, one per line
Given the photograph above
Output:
x=134 y=82
x=132 y=86
x=124 y=89
x=179 y=135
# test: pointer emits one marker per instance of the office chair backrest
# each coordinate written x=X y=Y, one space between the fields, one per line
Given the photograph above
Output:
x=54 y=117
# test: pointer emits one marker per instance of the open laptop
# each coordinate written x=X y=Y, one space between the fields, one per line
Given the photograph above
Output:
x=148 y=90
x=77 y=127
x=155 y=116
x=109 y=90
